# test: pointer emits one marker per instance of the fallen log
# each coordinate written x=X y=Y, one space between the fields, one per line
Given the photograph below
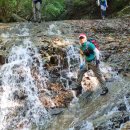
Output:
x=18 y=18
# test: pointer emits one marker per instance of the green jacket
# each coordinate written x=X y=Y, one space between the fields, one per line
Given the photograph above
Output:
x=89 y=47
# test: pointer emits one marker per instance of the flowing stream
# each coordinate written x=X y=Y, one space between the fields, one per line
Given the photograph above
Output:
x=18 y=83
x=20 y=107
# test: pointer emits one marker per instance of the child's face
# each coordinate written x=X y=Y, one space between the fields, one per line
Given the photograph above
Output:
x=82 y=40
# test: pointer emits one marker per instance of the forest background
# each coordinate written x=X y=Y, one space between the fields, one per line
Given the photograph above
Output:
x=10 y=10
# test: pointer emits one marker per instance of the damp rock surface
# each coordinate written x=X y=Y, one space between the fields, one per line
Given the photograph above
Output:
x=58 y=54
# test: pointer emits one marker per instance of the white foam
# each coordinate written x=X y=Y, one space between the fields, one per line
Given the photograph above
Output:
x=19 y=66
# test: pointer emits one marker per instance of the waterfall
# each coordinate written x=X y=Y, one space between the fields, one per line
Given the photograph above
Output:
x=53 y=30
x=85 y=126
x=70 y=73
x=30 y=91
x=73 y=57
x=22 y=78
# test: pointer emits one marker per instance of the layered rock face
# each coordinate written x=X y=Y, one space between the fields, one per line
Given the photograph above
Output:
x=57 y=45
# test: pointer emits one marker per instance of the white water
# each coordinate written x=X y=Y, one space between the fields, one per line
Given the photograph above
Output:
x=127 y=103
x=53 y=30
x=85 y=126
x=18 y=80
x=17 y=77
x=73 y=61
x=73 y=57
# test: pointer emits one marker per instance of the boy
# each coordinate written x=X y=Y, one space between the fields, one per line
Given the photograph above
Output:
x=91 y=54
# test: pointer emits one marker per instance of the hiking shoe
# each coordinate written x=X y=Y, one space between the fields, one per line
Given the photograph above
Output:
x=104 y=92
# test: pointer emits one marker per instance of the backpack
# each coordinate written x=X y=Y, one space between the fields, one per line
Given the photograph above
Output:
x=93 y=41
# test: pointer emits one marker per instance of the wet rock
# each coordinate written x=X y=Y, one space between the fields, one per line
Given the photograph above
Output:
x=3 y=48
x=128 y=95
x=73 y=85
x=55 y=111
x=46 y=101
x=125 y=118
x=101 y=128
x=77 y=128
x=126 y=74
x=122 y=107
x=56 y=87
x=126 y=126
x=63 y=99
x=54 y=60
x=119 y=118
x=65 y=63
x=2 y=60
x=19 y=95
x=0 y=82
x=59 y=97
x=113 y=39
x=89 y=82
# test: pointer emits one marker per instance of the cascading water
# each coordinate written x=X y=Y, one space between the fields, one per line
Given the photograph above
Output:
x=20 y=104
x=53 y=30
x=86 y=126
x=73 y=57
x=23 y=77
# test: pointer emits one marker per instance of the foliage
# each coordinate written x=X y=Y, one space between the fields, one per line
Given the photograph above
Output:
x=53 y=8
x=117 y=5
x=8 y=7
x=58 y=9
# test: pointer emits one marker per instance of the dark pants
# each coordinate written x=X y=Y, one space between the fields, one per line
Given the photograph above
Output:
x=103 y=10
x=37 y=10
x=96 y=70
x=103 y=13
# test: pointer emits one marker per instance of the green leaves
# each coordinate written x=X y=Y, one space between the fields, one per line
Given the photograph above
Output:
x=56 y=9
x=53 y=9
